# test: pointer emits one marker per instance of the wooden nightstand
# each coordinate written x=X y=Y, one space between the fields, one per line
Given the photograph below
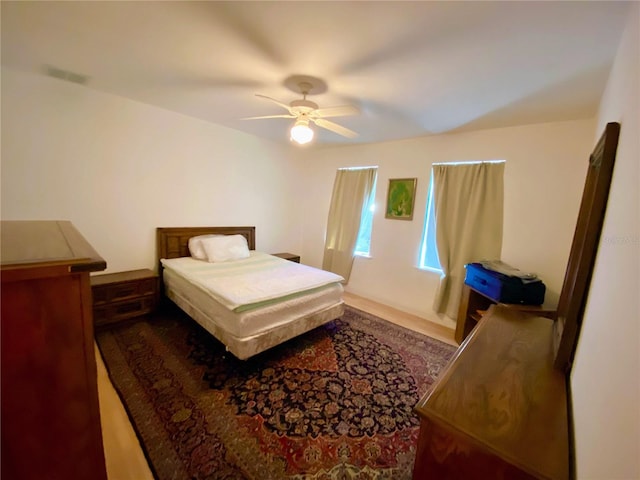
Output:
x=288 y=256
x=124 y=295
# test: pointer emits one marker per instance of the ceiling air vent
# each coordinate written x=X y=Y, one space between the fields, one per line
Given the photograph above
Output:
x=66 y=75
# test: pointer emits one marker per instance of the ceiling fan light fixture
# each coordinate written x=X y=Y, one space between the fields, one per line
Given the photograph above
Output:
x=301 y=132
x=305 y=112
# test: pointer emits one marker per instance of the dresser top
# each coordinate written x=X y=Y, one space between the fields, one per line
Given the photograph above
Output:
x=26 y=243
x=502 y=391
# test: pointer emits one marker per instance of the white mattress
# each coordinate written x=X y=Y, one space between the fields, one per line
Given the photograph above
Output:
x=253 y=281
x=250 y=322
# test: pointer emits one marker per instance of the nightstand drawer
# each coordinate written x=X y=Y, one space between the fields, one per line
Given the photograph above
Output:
x=100 y=295
x=116 y=312
x=123 y=291
x=123 y=295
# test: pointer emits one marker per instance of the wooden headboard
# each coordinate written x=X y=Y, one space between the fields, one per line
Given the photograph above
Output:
x=173 y=242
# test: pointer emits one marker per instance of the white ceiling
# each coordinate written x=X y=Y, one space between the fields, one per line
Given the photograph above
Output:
x=412 y=68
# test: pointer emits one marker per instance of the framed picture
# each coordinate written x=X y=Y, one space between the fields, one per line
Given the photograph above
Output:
x=401 y=198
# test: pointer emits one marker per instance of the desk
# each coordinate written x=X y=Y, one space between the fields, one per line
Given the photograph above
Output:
x=472 y=302
x=499 y=410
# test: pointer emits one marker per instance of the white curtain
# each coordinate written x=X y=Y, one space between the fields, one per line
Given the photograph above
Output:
x=351 y=191
x=468 y=216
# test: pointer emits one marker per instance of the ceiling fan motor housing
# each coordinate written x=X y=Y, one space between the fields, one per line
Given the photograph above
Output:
x=304 y=106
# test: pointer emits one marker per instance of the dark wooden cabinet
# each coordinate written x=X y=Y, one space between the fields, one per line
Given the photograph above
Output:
x=473 y=304
x=50 y=413
x=124 y=295
x=288 y=256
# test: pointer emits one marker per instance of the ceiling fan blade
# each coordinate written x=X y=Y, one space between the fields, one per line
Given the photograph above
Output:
x=338 y=111
x=334 y=127
x=268 y=116
x=283 y=105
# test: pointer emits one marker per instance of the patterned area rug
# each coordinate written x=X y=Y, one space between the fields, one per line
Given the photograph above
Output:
x=334 y=403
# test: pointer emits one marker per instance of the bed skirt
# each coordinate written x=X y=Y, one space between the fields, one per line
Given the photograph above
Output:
x=245 y=347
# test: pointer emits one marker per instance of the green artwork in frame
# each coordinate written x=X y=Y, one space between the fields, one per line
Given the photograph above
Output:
x=401 y=198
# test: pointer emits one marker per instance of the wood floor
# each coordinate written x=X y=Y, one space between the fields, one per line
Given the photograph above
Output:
x=124 y=456
x=403 y=319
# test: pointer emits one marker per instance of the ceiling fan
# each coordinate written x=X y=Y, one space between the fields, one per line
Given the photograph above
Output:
x=306 y=112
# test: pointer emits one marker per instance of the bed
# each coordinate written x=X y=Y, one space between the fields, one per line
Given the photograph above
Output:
x=245 y=328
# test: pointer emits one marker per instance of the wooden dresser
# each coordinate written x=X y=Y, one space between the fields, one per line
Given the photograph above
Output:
x=499 y=410
x=50 y=413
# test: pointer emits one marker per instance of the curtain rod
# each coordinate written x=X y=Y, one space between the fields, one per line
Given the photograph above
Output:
x=357 y=168
x=469 y=162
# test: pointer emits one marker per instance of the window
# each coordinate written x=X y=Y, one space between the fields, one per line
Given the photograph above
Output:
x=428 y=250
x=363 y=244
x=350 y=207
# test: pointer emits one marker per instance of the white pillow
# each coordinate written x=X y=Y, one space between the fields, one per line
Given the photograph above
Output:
x=196 y=250
x=225 y=248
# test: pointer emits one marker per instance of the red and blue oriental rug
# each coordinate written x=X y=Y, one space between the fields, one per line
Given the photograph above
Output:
x=335 y=403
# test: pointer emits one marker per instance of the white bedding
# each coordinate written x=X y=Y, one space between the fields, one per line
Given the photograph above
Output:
x=252 y=282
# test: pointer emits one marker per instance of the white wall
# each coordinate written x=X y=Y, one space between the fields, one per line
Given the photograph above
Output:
x=605 y=380
x=544 y=175
x=118 y=169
